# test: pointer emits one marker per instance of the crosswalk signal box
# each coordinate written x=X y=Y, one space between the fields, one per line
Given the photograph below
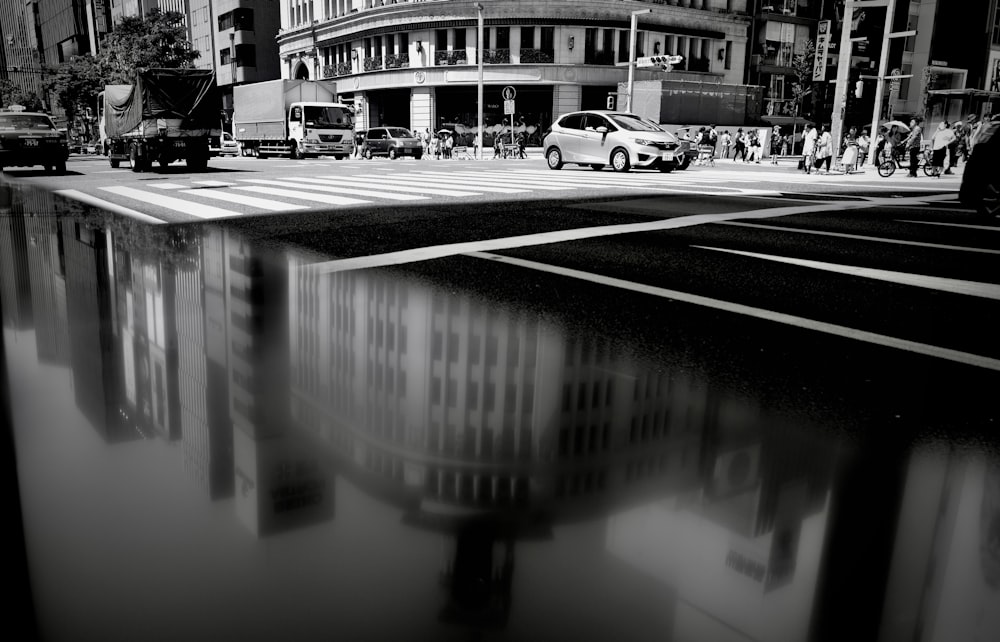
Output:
x=611 y=101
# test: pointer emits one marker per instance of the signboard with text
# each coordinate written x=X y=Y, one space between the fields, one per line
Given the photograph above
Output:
x=822 y=45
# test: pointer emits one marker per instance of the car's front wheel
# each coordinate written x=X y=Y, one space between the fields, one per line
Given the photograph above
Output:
x=392 y=153
x=619 y=160
x=554 y=159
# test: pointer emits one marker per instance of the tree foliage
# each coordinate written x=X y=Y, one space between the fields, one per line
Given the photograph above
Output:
x=11 y=94
x=158 y=40
x=802 y=64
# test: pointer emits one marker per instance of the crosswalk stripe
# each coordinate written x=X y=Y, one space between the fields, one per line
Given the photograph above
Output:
x=199 y=210
x=243 y=199
x=93 y=201
x=211 y=183
x=456 y=182
x=336 y=190
x=168 y=186
x=311 y=196
x=491 y=180
x=366 y=182
x=549 y=181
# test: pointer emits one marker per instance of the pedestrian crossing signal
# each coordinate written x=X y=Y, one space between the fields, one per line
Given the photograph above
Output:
x=666 y=63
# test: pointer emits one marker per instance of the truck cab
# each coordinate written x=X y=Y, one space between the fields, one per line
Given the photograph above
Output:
x=316 y=129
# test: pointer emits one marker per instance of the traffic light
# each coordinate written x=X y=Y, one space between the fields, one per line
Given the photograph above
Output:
x=859 y=88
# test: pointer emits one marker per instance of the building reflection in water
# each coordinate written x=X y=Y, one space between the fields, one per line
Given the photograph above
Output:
x=488 y=427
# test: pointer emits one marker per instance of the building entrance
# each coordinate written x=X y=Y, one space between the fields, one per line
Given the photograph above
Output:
x=456 y=110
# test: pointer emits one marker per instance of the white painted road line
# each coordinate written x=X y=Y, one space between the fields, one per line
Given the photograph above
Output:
x=758 y=313
x=167 y=185
x=860 y=237
x=985 y=228
x=955 y=286
x=169 y=202
x=381 y=184
x=319 y=198
x=336 y=190
x=560 y=236
x=211 y=183
x=100 y=203
x=454 y=182
x=243 y=199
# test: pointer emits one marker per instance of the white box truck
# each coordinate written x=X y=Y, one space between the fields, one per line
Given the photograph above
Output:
x=293 y=118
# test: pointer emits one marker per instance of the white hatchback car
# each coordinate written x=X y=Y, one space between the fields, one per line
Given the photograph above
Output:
x=617 y=138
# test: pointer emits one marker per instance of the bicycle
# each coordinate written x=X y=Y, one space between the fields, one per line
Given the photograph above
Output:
x=899 y=160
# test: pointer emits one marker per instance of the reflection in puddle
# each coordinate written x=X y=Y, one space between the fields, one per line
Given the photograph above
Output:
x=405 y=460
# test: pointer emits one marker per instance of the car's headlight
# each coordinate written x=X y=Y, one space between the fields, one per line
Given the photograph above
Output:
x=311 y=141
x=643 y=141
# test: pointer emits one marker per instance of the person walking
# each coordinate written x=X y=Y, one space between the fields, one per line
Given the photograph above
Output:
x=864 y=140
x=914 y=143
x=953 y=147
x=942 y=139
x=849 y=159
x=776 y=142
x=809 y=148
x=727 y=141
x=740 y=146
x=824 y=150
x=521 y=142
x=449 y=144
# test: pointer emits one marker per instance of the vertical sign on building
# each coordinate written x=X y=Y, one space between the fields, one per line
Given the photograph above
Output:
x=822 y=44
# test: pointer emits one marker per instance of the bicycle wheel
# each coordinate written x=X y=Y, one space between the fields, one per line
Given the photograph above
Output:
x=886 y=169
x=930 y=170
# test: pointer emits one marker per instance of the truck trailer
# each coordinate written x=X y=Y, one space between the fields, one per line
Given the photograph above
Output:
x=163 y=116
x=293 y=118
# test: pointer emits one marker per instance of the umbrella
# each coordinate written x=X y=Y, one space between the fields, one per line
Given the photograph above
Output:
x=444 y=131
x=898 y=124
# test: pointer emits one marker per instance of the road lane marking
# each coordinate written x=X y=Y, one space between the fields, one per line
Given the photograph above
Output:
x=328 y=199
x=456 y=182
x=560 y=236
x=243 y=199
x=366 y=182
x=211 y=183
x=100 y=203
x=336 y=190
x=939 y=352
x=955 y=286
x=169 y=202
x=861 y=237
x=969 y=226
x=168 y=185
x=481 y=178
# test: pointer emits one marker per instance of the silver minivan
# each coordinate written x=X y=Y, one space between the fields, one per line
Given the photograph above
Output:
x=392 y=142
x=620 y=139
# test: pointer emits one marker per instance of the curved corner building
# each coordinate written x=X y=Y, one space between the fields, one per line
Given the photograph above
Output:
x=414 y=63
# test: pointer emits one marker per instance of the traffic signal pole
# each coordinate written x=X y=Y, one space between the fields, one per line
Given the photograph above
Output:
x=631 y=55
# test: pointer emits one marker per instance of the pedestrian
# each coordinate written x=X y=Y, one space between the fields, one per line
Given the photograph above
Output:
x=849 y=159
x=425 y=140
x=521 y=142
x=809 y=148
x=969 y=129
x=727 y=140
x=359 y=142
x=497 y=147
x=824 y=150
x=740 y=150
x=953 y=147
x=943 y=137
x=914 y=143
x=864 y=141
x=753 y=148
x=776 y=142
x=449 y=144
x=436 y=147
x=713 y=138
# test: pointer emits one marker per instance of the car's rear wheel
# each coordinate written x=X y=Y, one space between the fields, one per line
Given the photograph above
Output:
x=554 y=159
x=619 y=160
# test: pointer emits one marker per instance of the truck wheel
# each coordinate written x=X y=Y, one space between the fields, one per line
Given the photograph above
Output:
x=60 y=167
x=114 y=163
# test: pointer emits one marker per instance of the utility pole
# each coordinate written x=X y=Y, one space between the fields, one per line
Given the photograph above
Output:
x=479 y=84
x=631 y=55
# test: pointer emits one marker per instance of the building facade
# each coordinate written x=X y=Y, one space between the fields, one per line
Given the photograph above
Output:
x=414 y=64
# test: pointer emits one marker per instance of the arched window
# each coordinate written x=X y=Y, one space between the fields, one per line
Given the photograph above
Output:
x=302 y=72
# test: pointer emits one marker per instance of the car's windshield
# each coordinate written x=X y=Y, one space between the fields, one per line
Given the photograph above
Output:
x=399 y=132
x=634 y=123
x=25 y=121
x=332 y=117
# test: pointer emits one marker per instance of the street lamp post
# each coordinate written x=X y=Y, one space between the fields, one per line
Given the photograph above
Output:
x=631 y=55
x=479 y=86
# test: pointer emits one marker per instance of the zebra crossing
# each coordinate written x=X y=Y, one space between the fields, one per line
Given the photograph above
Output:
x=213 y=199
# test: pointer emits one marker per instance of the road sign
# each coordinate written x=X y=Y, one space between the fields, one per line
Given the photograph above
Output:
x=508 y=93
x=508 y=107
x=658 y=61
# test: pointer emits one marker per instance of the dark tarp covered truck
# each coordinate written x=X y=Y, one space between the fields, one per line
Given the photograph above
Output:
x=163 y=116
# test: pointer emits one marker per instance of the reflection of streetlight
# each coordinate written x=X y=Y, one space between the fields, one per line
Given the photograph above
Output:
x=479 y=88
x=631 y=55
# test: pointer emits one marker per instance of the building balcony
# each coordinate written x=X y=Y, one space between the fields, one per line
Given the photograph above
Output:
x=496 y=57
x=599 y=58
x=450 y=58
x=537 y=56
x=397 y=61
x=372 y=63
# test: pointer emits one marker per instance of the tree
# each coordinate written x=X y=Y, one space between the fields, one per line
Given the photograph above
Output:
x=76 y=84
x=11 y=94
x=802 y=64
x=158 y=40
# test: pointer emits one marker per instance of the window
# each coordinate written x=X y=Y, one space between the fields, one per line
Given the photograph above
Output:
x=441 y=39
x=503 y=37
x=573 y=121
x=549 y=38
x=527 y=37
x=459 y=40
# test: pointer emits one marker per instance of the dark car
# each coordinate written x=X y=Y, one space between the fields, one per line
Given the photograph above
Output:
x=981 y=181
x=392 y=142
x=30 y=138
